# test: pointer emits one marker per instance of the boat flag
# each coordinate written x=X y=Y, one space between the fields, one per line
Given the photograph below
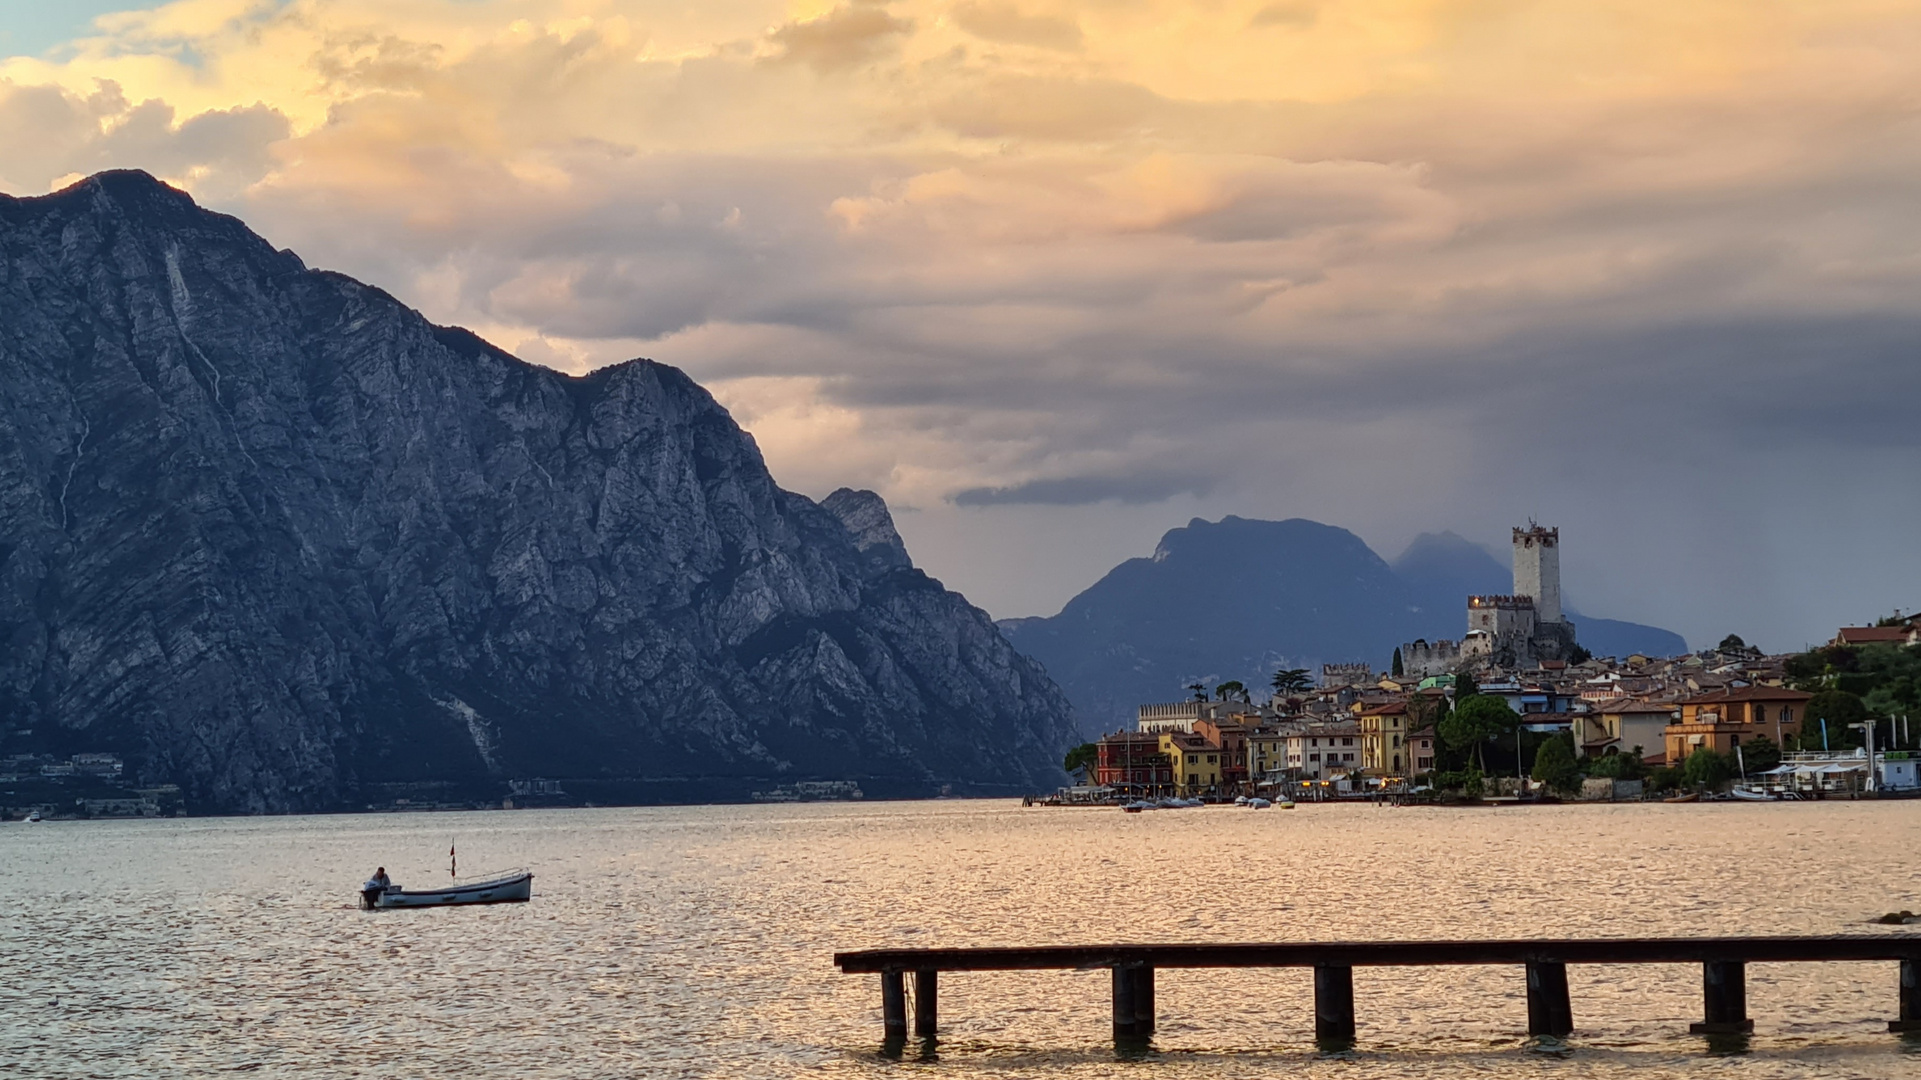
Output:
x=453 y=861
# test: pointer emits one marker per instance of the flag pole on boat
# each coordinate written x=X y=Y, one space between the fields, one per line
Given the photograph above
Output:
x=453 y=860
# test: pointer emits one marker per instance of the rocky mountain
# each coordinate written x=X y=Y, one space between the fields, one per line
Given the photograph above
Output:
x=272 y=536
x=1235 y=599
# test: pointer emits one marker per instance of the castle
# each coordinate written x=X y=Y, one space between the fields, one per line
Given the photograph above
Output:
x=1516 y=631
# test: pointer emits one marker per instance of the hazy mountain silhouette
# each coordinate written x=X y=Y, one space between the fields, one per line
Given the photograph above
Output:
x=1443 y=569
x=1235 y=599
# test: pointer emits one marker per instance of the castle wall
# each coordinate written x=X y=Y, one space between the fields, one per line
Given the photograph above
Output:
x=1421 y=658
x=1346 y=675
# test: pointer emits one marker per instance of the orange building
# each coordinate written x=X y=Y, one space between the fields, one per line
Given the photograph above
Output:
x=1231 y=737
x=1724 y=719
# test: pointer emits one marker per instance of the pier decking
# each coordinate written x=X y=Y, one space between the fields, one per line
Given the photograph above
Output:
x=1723 y=964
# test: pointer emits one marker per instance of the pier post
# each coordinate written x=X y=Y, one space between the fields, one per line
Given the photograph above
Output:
x=1548 y=1010
x=1910 y=998
x=1333 y=1006
x=1724 y=989
x=893 y=1006
x=1143 y=1001
x=926 y=1003
x=1125 y=1007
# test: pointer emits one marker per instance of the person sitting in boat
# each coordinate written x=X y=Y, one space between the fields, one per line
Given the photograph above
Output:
x=375 y=885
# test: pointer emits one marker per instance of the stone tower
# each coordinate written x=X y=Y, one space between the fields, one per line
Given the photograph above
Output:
x=1537 y=570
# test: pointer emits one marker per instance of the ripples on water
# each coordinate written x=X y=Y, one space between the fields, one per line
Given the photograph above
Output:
x=696 y=941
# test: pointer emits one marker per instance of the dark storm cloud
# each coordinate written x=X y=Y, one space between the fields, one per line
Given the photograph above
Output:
x=1082 y=490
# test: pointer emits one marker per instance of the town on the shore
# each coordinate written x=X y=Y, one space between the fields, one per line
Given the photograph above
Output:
x=1518 y=710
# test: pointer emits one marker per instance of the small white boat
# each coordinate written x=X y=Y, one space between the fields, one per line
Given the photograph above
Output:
x=512 y=887
x=1257 y=804
x=34 y=816
x=1754 y=795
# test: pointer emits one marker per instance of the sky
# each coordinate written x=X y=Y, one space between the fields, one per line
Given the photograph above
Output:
x=1055 y=277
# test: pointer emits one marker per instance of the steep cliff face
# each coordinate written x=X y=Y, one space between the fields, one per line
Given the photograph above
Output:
x=278 y=539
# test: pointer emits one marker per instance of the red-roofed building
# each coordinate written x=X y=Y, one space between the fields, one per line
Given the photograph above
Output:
x=1878 y=635
x=1132 y=762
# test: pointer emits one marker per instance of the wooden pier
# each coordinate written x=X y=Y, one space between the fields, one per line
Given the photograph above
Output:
x=1549 y=1012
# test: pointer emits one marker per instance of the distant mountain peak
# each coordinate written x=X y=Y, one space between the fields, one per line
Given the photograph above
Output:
x=1241 y=597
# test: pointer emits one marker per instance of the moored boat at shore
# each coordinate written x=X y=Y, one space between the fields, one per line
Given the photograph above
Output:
x=512 y=887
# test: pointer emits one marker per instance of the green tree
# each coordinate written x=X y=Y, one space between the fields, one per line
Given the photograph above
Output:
x=1425 y=711
x=1619 y=766
x=1292 y=682
x=1082 y=759
x=1760 y=755
x=1200 y=692
x=1707 y=768
x=1396 y=670
x=1554 y=765
x=1839 y=709
x=1474 y=721
x=1464 y=685
x=1665 y=778
x=1231 y=690
x=1579 y=654
x=1896 y=675
x=1818 y=669
x=1731 y=643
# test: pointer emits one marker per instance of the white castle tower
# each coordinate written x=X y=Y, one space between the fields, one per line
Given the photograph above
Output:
x=1537 y=570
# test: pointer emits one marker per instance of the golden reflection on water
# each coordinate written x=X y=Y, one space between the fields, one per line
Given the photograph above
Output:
x=696 y=941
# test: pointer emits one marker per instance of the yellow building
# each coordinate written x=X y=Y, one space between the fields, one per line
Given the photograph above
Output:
x=1266 y=754
x=1383 y=739
x=1196 y=762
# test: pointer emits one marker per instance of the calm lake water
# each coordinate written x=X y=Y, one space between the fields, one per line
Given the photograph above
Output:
x=696 y=941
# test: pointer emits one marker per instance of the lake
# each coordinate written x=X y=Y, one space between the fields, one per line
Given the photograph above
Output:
x=697 y=941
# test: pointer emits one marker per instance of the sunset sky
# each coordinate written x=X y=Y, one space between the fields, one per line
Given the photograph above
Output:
x=1054 y=277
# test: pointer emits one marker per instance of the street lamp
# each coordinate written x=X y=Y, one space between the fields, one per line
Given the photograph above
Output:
x=1867 y=729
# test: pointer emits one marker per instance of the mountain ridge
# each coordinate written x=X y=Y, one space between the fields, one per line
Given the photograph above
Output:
x=1237 y=598
x=277 y=538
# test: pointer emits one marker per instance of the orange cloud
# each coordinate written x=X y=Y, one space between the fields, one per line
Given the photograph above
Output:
x=992 y=242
